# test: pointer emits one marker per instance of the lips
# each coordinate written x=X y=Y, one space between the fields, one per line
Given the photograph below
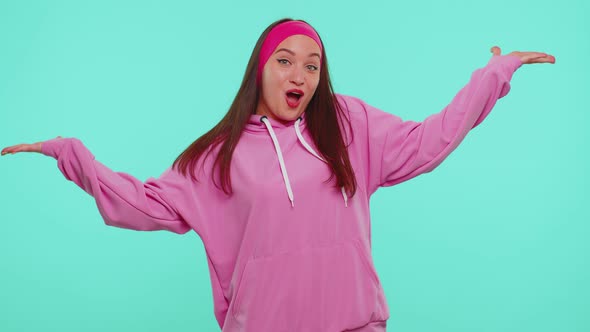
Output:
x=293 y=97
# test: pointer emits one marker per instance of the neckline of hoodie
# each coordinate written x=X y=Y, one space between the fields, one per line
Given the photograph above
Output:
x=254 y=125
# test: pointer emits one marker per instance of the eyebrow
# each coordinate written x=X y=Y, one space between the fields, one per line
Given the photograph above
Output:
x=293 y=53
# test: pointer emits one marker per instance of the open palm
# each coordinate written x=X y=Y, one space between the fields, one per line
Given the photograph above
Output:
x=34 y=147
x=527 y=57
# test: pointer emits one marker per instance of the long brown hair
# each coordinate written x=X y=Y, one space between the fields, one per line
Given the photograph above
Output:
x=321 y=117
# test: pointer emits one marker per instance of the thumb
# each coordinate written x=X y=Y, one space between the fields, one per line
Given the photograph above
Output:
x=496 y=50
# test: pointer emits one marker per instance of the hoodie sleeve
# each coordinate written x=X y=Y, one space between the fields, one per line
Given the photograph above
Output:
x=123 y=201
x=400 y=150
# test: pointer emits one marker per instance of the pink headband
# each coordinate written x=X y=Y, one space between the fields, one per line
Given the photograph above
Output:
x=280 y=33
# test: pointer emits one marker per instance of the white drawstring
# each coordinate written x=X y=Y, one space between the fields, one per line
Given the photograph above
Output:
x=264 y=120
x=281 y=161
x=302 y=140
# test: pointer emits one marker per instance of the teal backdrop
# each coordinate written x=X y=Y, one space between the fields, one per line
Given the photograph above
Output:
x=494 y=239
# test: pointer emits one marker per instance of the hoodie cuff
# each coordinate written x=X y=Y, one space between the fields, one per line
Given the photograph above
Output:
x=511 y=61
x=52 y=147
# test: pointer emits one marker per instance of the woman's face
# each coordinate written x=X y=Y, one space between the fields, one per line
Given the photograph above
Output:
x=290 y=78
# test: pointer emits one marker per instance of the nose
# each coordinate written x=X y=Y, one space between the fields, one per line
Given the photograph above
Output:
x=297 y=77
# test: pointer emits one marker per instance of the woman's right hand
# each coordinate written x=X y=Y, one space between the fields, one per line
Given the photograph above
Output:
x=34 y=147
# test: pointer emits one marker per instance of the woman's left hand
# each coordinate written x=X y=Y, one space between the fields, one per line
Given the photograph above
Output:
x=527 y=57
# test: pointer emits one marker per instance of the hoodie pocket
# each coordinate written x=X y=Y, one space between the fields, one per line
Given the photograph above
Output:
x=329 y=288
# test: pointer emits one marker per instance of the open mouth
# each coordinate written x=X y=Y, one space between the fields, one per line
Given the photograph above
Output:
x=294 y=97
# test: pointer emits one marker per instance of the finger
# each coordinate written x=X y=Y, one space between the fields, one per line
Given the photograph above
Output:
x=20 y=148
x=535 y=53
x=16 y=148
x=8 y=149
x=547 y=58
x=539 y=55
x=542 y=59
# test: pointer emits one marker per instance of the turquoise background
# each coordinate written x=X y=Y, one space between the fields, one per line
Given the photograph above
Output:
x=494 y=239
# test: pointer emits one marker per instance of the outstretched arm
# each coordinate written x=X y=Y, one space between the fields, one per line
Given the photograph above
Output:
x=400 y=150
x=123 y=201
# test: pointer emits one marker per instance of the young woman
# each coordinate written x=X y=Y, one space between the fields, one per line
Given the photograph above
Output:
x=279 y=190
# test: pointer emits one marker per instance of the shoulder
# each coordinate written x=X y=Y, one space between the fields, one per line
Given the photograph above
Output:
x=352 y=110
x=361 y=113
x=357 y=108
x=351 y=104
x=354 y=116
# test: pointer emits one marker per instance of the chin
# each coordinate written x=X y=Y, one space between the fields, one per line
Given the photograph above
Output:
x=288 y=114
x=291 y=115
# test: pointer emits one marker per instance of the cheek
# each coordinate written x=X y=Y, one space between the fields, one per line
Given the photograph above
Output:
x=313 y=86
x=268 y=87
x=272 y=86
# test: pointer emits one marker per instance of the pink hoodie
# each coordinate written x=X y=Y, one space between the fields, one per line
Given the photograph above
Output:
x=287 y=251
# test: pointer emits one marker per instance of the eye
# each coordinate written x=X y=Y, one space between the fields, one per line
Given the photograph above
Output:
x=312 y=67
x=283 y=61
